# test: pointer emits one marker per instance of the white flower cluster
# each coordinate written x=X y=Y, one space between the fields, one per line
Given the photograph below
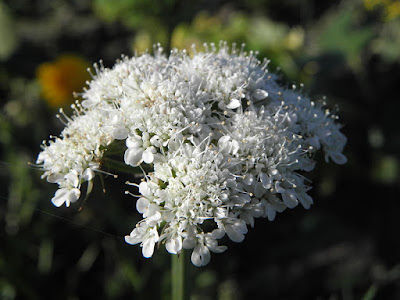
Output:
x=225 y=142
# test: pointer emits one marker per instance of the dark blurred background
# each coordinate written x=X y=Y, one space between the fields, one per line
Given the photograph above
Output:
x=345 y=247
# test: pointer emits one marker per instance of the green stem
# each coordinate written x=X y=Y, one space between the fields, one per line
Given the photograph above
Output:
x=117 y=166
x=178 y=276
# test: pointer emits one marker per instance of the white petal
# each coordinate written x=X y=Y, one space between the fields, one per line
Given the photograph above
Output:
x=289 y=198
x=248 y=218
x=145 y=190
x=174 y=244
x=259 y=190
x=244 y=198
x=148 y=247
x=200 y=255
x=189 y=242
x=271 y=212
x=278 y=187
x=133 y=156
x=279 y=206
x=120 y=133
x=223 y=140
x=142 y=204
x=153 y=219
x=248 y=179
x=259 y=94
x=306 y=200
x=307 y=165
x=219 y=249
x=234 y=103
x=72 y=178
x=212 y=245
x=88 y=174
x=218 y=233
x=255 y=209
x=234 y=233
x=134 y=142
x=148 y=156
x=235 y=147
x=338 y=158
x=137 y=235
x=266 y=180
x=133 y=240
x=89 y=103
x=42 y=157
x=223 y=196
x=59 y=197
x=73 y=195
x=313 y=141
x=55 y=177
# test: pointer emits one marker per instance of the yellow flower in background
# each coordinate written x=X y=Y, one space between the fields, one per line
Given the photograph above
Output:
x=203 y=23
x=59 y=79
x=391 y=8
x=294 y=39
x=142 y=42
x=145 y=39
x=371 y=4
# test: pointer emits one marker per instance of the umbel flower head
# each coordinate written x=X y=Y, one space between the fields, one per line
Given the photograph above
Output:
x=222 y=142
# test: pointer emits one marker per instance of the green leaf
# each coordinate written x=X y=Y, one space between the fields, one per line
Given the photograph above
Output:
x=341 y=34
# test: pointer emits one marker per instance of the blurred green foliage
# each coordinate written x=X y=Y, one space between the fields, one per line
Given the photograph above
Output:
x=345 y=247
x=137 y=14
x=340 y=33
x=7 y=33
x=274 y=40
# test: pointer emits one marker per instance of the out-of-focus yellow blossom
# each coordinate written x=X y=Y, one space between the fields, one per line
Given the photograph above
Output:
x=294 y=39
x=182 y=38
x=204 y=22
x=371 y=4
x=59 y=79
x=142 y=42
x=145 y=39
x=390 y=8
x=393 y=10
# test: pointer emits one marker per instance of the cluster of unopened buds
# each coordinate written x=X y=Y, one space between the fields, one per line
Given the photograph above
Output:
x=220 y=142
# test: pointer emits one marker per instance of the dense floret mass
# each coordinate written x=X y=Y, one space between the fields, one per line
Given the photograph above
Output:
x=225 y=144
